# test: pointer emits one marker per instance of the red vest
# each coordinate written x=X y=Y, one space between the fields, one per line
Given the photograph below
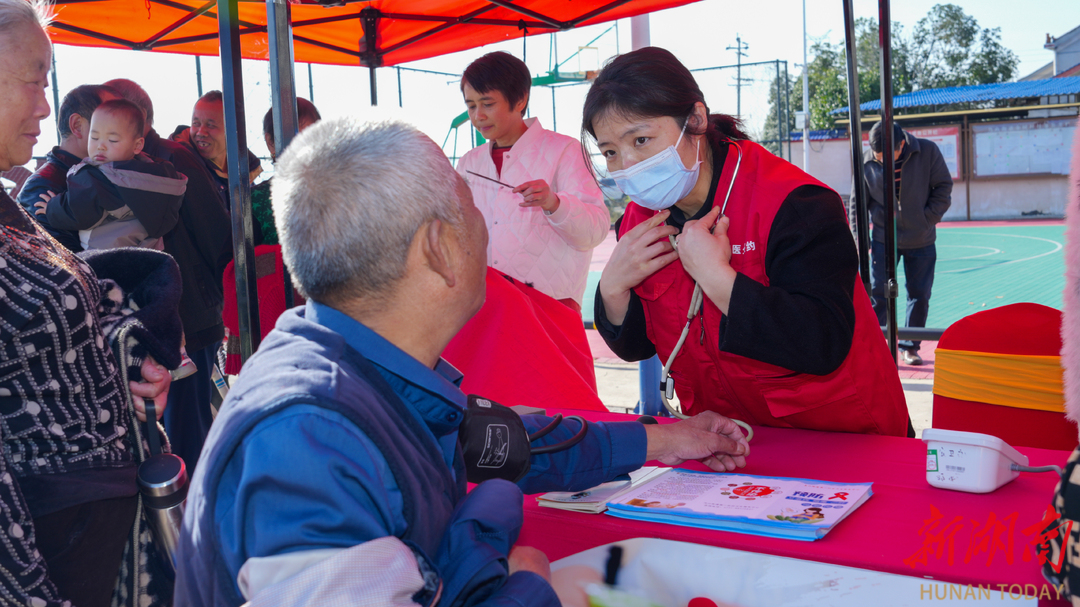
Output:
x=864 y=395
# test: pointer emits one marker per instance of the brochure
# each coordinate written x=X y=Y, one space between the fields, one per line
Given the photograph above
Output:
x=793 y=508
x=595 y=500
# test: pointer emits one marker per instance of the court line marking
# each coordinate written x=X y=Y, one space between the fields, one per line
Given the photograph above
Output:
x=966 y=246
x=1057 y=247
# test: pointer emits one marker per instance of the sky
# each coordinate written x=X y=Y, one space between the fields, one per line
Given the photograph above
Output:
x=699 y=34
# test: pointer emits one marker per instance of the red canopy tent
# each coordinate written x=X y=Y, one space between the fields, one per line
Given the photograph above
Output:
x=333 y=31
x=369 y=33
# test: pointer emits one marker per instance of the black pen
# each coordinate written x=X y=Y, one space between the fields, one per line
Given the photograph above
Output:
x=614 y=563
x=490 y=179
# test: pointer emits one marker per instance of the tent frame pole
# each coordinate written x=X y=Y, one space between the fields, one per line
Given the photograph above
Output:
x=283 y=88
x=239 y=182
x=889 y=172
x=369 y=20
x=858 y=192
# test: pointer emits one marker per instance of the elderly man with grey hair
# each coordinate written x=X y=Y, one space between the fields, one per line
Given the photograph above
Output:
x=333 y=471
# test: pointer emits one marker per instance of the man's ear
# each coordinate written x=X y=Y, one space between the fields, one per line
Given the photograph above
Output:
x=270 y=145
x=435 y=245
x=78 y=125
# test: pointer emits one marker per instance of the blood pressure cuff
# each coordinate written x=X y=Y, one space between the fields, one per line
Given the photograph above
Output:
x=494 y=442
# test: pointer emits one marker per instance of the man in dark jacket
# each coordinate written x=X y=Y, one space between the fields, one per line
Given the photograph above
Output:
x=74 y=122
x=200 y=244
x=923 y=186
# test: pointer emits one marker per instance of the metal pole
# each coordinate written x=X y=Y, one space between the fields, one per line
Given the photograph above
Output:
x=779 y=116
x=198 y=74
x=369 y=19
x=283 y=88
x=889 y=170
x=858 y=193
x=966 y=142
x=648 y=370
x=805 y=97
x=56 y=99
x=738 y=48
x=232 y=79
x=399 y=99
x=787 y=105
x=639 y=32
x=555 y=52
x=374 y=86
x=310 y=84
x=738 y=76
x=282 y=78
x=554 y=126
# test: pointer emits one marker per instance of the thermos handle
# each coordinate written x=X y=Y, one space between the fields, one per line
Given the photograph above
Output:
x=152 y=434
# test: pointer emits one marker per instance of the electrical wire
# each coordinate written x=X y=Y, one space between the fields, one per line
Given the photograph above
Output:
x=1051 y=468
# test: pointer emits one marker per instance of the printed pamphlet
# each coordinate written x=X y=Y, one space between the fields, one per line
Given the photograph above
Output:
x=793 y=508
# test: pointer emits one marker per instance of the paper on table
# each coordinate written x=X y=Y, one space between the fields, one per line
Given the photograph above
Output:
x=595 y=499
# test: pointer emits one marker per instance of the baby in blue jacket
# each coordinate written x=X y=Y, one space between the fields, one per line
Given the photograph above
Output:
x=118 y=197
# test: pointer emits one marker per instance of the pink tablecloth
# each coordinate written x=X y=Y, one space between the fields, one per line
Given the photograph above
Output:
x=907 y=527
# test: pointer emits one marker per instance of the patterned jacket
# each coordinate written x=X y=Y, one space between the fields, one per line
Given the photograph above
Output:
x=1064 y=534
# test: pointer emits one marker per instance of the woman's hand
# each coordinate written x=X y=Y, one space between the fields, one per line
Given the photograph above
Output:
x=639 y=254
x=707 y=257
x=537 y=193
x=155 y=385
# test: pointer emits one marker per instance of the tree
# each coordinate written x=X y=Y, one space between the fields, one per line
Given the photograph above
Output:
x=769 y=130
x=949 y=49
x=946 y=48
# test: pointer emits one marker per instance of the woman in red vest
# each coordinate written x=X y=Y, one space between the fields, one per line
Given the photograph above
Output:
x=784 y=334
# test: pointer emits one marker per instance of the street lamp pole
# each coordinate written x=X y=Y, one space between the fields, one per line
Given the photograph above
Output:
x=805 y=97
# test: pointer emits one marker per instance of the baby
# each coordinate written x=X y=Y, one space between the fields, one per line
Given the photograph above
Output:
x=118 y=197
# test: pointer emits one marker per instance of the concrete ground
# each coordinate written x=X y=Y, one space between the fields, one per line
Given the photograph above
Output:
x=617 y=383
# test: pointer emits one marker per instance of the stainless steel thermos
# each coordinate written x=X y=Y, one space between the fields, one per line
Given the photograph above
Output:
x=163 y=482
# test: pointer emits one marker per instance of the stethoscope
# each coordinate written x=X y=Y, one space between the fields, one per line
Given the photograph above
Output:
x=668 y=385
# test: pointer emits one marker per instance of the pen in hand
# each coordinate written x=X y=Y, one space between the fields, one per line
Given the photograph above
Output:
x=489 y=179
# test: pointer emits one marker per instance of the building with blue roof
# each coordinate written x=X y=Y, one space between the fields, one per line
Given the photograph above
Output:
x=1008 y=145
x=1054 y=91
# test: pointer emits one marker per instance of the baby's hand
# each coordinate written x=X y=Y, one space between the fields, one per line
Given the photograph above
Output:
x=41 y=204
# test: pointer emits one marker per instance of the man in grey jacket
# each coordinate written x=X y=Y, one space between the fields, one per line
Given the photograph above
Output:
x=923 y=186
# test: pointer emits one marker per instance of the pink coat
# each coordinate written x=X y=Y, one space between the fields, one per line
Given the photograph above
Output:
x=550 y=252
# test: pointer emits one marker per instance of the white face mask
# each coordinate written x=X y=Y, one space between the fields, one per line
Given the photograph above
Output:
x=660 y=181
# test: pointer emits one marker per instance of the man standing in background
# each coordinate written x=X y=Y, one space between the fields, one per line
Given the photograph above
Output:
x=923 y=190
